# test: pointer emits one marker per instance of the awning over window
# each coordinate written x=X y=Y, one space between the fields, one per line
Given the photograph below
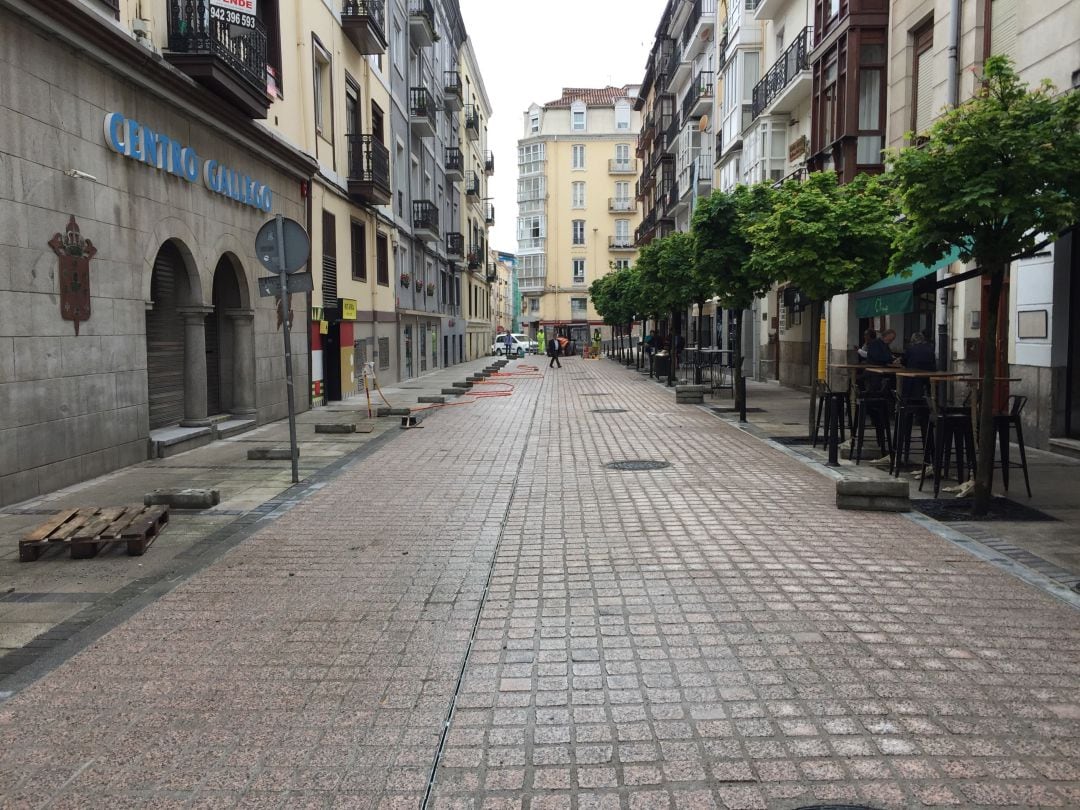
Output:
x=896 y=294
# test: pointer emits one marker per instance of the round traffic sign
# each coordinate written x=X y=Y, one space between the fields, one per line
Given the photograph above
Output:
x=294 y=241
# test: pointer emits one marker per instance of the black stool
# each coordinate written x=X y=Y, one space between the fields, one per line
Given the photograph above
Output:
x=1002 y=423
x=951 y=429
x=873 y=404
x=910 y=411
x=821 y=391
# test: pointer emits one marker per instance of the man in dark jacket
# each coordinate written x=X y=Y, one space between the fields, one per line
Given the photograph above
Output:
x=553 y=350
x=918 y=357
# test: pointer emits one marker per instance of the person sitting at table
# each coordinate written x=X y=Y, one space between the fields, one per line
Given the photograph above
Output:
x=876 y=349
x=919 y=356
x=868 y=336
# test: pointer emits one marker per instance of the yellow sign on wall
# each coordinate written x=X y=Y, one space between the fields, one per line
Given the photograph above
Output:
x=348 y=309
x=324 y=327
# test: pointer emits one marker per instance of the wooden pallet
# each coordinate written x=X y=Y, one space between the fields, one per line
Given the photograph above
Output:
x=87 y=531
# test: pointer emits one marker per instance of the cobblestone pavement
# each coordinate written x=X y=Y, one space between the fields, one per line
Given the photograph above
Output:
x=712 y=634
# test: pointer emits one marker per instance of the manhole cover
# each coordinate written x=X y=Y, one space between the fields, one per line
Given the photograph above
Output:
x=608 y=410
x=635 y=465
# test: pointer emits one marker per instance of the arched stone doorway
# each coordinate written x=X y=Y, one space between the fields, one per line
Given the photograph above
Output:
x=171 y=283
x=230 y=360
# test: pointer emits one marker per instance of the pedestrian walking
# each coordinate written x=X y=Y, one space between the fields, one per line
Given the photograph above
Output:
x=553 y=350
x=508 y=342
x=596 y=340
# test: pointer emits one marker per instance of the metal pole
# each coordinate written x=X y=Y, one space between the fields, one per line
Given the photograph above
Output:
x=283 y=276
x=832 y=419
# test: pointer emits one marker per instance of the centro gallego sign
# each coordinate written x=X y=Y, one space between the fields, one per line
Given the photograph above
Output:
x=136 y=141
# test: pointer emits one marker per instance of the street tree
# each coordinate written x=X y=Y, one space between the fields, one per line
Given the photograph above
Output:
x=997 y=177
x=668 y=282
x=722 y=260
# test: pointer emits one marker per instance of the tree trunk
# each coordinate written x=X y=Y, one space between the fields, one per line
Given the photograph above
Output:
x=738 y=382
x=984 y=477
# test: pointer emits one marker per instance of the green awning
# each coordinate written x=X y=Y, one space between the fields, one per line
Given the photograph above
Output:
x=896 y=293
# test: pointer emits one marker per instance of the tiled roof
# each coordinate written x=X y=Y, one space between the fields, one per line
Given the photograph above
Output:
x=592 y=96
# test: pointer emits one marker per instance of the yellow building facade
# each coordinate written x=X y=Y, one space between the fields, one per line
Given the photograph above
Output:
x=577 y=211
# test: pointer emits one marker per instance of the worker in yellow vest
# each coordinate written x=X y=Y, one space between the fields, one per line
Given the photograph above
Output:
x=541 y=346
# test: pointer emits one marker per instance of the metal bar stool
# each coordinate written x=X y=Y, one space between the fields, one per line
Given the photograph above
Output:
x=872 y=402
x=1002 y=424
x=951 y=429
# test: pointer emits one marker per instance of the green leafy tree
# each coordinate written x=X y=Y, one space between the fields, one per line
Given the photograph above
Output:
x=998 y=177
x=825 y=237
x=722 y=259
x=668 y=281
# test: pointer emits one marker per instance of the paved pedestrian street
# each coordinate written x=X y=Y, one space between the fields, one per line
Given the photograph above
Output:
x=480 y=614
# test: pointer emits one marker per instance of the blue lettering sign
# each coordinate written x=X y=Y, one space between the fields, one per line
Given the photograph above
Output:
x=134 y=140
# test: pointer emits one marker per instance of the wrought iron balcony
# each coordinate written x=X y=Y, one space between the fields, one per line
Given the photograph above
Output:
x=369 y=170
x=627 y=166
x=425 y=215
x=453 y=96
x=226 y=59
x=472 y=184
x=421 y=112
x=620 y=205
x=364 y=23
x=475 y=257
x=790 y=69
x=489 y=163
x=698 y=98
x=492 y=274
x=455 y=164
x=472 y=121
x=489 y=214
x=422 y=22
x=620 y=243
x=455 y=245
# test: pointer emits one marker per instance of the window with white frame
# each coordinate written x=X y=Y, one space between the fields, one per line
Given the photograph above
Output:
x=579 y=271
x=578 y=306
x=532 y=188
x=534 y=122
x=577 y=232
x=531 y=158
x=532 y=270
x=323 y=90
x=577 y=156
x=622 y=196
x=622 y=116
x=620 y=264
x=577 y=195
x=622 y=232
x=531 y=231
x=534 y=305
x=577 y=116
x=622 y=156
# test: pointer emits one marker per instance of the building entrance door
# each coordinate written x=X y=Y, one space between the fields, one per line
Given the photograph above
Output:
x=165 y=339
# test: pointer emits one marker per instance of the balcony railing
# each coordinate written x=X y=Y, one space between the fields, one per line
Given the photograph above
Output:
x=422 y=21
x=489 y=214
x=620 y=242
x=228 y=59
x=369 y=170
x=620 y=204
x=455 y=245
x=793 y=61
x=700 y=92
x=364 y=23
x=426 y=219
x=472 y=121
x=489 y=163
x=455 y=163
x=474 y=257
x=626 y=166
x=472 y=184
x=452 y=92
x=422 y=112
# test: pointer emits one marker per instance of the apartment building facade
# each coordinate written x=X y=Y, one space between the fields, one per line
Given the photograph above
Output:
x=577 y=213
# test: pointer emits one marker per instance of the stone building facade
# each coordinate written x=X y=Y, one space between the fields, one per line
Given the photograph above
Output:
x=131 y=191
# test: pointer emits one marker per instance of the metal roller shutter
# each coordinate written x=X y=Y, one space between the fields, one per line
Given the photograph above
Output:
x=165 y=343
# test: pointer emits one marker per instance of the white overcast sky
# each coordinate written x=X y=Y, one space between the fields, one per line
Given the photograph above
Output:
x=529 y=52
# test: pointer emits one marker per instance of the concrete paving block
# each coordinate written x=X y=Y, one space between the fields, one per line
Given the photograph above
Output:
x=270 y=454
x=335 y=427
x=873 y=504
x=463 y=384
x=183 y=498
x=892 y=488
x=432 y=399
x=454 y=392
x=384 y=411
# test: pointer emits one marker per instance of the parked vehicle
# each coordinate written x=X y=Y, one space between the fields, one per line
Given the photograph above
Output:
x=521 y=345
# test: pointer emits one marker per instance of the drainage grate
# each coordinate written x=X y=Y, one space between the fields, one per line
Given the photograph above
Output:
x=635 y=465
x=733 y=409
x=958 y=510
x=608 y=410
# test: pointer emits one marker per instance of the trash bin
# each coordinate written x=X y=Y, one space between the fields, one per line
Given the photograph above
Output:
x=661 y=363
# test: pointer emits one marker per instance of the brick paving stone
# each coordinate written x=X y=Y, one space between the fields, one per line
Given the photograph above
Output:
x=715 y=634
